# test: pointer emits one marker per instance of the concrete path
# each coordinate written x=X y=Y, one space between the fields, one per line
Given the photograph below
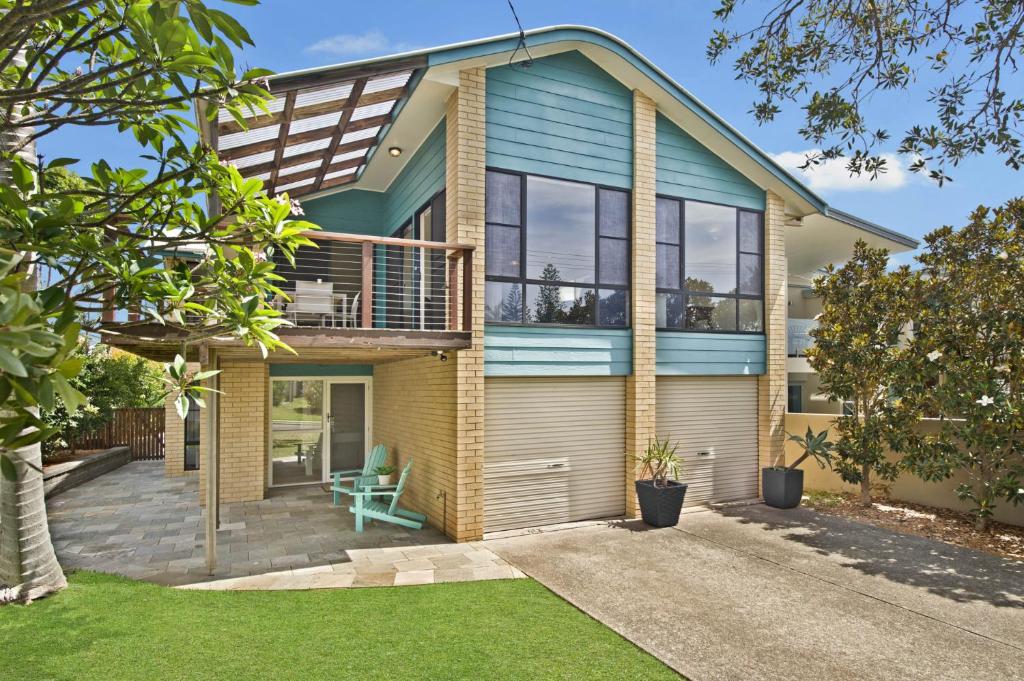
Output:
x=756 y=593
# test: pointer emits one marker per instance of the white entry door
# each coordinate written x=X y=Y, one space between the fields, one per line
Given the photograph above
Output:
x=714 y=421
x=318 y=425
x=554 y=450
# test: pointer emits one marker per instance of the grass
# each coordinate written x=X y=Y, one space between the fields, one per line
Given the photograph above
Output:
x=106 y=627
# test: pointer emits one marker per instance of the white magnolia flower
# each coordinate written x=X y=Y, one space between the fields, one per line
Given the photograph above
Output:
x=1003 y=369
x=985 y=401
x=1003 y=255
x=934 y=355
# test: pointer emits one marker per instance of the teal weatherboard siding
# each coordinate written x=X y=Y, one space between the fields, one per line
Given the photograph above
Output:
x=319 y=370
x=354 y=211
x=547 y=351
x=688 y=170
x=710 y=354
x=562 y=117
x=421 y=178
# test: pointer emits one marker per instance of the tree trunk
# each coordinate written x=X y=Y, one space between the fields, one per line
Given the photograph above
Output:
x=28 y=563
x=982 y=523
x=865 y=486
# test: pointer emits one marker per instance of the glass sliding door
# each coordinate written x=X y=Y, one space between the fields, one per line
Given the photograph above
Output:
x=347 y=424
x=296 y=431
x=318 y=426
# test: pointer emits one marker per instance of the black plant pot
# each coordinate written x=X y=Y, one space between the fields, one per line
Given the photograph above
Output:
x=782 y=487
x=659 y=506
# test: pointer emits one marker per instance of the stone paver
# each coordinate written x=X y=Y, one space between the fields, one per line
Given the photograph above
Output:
x=752 y=592
x=136 y=522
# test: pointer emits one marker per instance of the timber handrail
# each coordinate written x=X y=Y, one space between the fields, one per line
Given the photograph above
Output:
x=386 y=241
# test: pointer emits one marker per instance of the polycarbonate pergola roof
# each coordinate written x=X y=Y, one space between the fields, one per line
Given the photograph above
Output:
x=322 y=127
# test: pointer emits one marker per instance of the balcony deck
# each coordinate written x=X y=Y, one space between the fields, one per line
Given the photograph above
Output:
x=353 y=297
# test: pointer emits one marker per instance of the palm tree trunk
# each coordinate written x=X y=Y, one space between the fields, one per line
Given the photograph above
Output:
x=28 y=563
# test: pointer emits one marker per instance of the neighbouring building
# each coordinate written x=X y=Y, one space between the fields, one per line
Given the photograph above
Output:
x=527 y=270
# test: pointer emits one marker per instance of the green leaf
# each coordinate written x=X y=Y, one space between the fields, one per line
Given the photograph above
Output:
x=7 y=468
x=11 y=364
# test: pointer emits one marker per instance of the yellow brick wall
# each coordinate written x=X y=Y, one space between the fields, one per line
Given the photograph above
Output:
x=242 y=445
x=414 y=416
x=464 y=186
x=640 y=394
x=771 y=387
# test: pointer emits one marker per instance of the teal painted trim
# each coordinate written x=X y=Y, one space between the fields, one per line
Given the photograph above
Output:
x=551 y=351
x=554 y=34
x=709 y=354
x=316 y=370
x=563 y=117
x=354 y=211
x=421 y=178
x=689 y=170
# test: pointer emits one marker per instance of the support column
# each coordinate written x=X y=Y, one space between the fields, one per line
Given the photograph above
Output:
x=771 y=387
x=640 y=384
x=465 y=160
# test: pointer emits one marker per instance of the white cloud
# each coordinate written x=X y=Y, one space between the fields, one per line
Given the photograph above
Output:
x=832 y=175
x=349 y=45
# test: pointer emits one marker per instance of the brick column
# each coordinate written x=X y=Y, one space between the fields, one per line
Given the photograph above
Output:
x=465 y=169
x=771 y=387
x=242 y=413
x=640 y=385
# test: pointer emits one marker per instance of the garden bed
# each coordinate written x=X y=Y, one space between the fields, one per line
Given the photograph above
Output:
x=60 y=477
x=942 y=524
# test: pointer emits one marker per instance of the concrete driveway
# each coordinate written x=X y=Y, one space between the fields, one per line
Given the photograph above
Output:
x=751 y=592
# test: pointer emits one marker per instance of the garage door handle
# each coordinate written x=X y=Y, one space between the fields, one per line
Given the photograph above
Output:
x=555 y=465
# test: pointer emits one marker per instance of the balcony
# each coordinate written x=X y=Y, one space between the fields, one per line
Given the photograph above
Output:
x=354 y=291
x=798 y=336
x=352 y=281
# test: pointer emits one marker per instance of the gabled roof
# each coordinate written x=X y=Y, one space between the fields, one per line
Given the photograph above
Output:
x=301 y=153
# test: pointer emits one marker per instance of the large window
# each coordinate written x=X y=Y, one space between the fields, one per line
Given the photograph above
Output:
x=557 y=252
x=710 y=267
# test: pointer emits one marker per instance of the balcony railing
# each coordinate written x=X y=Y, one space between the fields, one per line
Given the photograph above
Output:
x=353 y=281
x=798 y=336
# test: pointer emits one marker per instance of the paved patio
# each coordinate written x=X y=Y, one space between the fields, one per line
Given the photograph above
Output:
x=752 y=592
x=136 y=522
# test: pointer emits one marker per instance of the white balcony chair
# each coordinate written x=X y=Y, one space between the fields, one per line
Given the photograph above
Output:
x=313 y=299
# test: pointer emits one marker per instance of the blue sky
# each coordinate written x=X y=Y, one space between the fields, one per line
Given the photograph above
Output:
x=293 y=34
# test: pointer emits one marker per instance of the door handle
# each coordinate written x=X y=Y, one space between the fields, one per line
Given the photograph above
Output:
x=555 y=465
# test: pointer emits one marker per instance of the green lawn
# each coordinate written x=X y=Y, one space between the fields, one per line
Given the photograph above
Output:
x=106 y=627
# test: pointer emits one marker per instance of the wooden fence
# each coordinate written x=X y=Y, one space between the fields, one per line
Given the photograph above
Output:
x=141 y=428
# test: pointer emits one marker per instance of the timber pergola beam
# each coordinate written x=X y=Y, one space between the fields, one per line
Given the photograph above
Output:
x=322 y=126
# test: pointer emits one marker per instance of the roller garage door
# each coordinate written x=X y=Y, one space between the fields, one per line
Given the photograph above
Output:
x=714 y=419
x=554 y=450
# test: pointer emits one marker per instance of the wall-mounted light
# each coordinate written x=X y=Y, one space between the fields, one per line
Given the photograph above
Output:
x=440 y=355
x=395 y=151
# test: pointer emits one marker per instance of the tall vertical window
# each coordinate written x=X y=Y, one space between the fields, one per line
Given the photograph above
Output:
x=709 y=267
x=557 y=252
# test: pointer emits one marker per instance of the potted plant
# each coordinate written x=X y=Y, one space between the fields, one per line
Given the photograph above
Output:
x=783 y=486
x=384 y=474
x=660 y=497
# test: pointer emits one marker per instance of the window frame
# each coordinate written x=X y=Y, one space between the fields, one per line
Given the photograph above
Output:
x=596 y=286
x=685 y=293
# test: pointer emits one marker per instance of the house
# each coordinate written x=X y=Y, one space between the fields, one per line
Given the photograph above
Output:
x=537 y=254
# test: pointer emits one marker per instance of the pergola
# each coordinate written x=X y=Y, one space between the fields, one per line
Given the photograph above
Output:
x=323 y=125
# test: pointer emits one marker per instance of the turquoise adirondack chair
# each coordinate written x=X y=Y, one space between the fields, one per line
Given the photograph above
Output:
x=367 y=505
x=360 y=477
